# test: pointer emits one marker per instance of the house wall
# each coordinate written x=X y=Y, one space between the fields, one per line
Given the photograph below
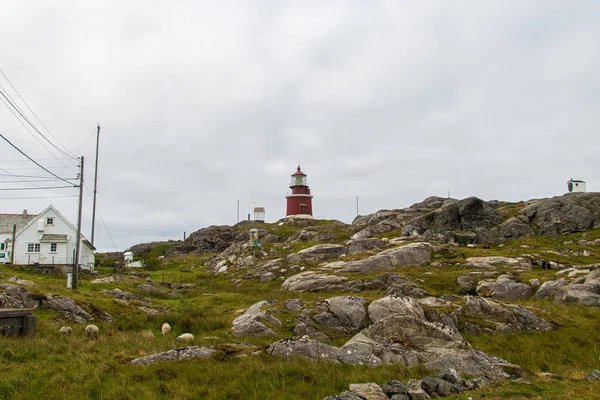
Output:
x=64 y=253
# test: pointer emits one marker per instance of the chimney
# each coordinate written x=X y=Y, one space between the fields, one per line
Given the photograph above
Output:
x=24 y=213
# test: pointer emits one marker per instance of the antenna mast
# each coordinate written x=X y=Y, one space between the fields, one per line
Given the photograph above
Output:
x=95 y=184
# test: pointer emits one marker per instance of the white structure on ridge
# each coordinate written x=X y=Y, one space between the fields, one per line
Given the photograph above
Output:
x=576 y=186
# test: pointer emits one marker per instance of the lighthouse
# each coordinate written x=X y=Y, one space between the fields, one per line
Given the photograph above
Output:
x=299 y=202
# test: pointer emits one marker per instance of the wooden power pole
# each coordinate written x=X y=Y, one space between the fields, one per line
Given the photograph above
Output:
x=95 y=185
x=78 y=242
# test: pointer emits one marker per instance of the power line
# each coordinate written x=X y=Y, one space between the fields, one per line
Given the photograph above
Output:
x=29 y=122
x=102 y=219
x=37 y=197
x=73 y=156
x=38 y=188
x=29 y=176
x=32 y=160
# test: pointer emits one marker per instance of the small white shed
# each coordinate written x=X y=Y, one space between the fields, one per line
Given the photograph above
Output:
x=576 y=186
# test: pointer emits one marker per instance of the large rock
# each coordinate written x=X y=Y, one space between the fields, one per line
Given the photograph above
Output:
x=410 y=255
x=549 y=288
x=67 y=307
x=182 y=353
x=305 y=348
x=251 y=322
x=393 y=305
x=515 y=228
x=16 y=297
x=584 y=294
x=492 y=262
x=505 y=317
x=573 y=212
x=349 y=310
x=309 y=281
x=505 y=287
x=368 y=391
x=126 y=296
x=466 y=283
x=362 y=245
x=320 y=252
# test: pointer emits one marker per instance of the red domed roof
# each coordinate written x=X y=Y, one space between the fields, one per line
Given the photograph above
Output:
x=298 y=172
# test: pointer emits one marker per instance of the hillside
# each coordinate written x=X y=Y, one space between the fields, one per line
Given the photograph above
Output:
x=446 y=298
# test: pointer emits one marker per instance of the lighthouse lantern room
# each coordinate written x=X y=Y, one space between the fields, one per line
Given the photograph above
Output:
x=299 y=202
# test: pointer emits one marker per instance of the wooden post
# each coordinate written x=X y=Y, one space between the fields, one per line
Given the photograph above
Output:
x=78 y=238
x=12 y=251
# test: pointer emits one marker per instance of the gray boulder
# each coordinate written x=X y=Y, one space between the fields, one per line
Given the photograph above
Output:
x=305 y=348
x=294 y=304
x=505 y=287
x=182 y=353
x=584 y=294
x=368 y=391
x=16 y=297
x=394 y=387
x=144 y=287
x=349 y=310
x=126 y=296
x=505 y=317
x=251 y=322
x=393 y=305
x=318 y=253
x=515 y=228
x=416 y=391
x=362 y=245
x=67 y=307
x=303 y=329
x=492 y=262
x=310 y=281
x=409 y=255
x=549 y=288
x=466 y=283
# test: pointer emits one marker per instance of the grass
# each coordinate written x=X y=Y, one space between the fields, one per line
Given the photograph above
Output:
x=50 y=365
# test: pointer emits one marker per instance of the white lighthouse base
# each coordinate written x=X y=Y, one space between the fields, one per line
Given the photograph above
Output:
x=300 y=216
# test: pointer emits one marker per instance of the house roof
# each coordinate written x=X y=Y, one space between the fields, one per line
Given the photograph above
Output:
x=7 y=221
x=51 y=207
x=54 y=237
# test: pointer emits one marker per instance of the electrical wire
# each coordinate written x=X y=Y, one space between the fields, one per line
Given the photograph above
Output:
x=27 y=128
x=38 y=188
x=37 y=197
x=32 y=160
x=73 y=156
x=101 y=218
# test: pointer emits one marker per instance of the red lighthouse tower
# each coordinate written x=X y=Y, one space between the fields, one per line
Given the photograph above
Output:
x=299 y=203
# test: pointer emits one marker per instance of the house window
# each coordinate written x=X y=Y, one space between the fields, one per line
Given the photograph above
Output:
x=33 y=247
x=49 y=221
x=1 y=246
x=53 y=247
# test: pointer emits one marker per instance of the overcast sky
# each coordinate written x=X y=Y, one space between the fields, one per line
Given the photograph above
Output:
x=205 y=103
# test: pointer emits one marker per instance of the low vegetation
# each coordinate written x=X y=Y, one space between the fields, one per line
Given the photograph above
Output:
x=51 y=365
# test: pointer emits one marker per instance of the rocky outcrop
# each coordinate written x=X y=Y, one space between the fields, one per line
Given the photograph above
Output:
x=15 y=297
x=586 y=295
x=318 y=253
x=549 y=288
x=573 y=212
x=504 y=318
x=350 y=311
x=126 y=296
x=515 y=228
x=408 y=255
x=494 y=262
x=182 y=353
x=251 y=322
x=466 y=283
x=395 y=305
x=505 y=287
x=294 y=304
x=310 y=281
x=67 y=307
x=363 y=245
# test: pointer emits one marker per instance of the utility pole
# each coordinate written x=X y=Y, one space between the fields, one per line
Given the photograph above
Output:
x=357 y=206
x=95 y=185
x=12 y=251
x=78 y=242
x=238 y=211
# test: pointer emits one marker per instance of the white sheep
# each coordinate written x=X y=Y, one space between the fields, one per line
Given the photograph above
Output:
x=147 y=334
x=65 y=330
x=92 y=331
x=166 y=329
x=186 y=337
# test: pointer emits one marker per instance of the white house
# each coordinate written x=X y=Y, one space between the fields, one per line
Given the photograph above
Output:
x=50 y=239
x=7 y=224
